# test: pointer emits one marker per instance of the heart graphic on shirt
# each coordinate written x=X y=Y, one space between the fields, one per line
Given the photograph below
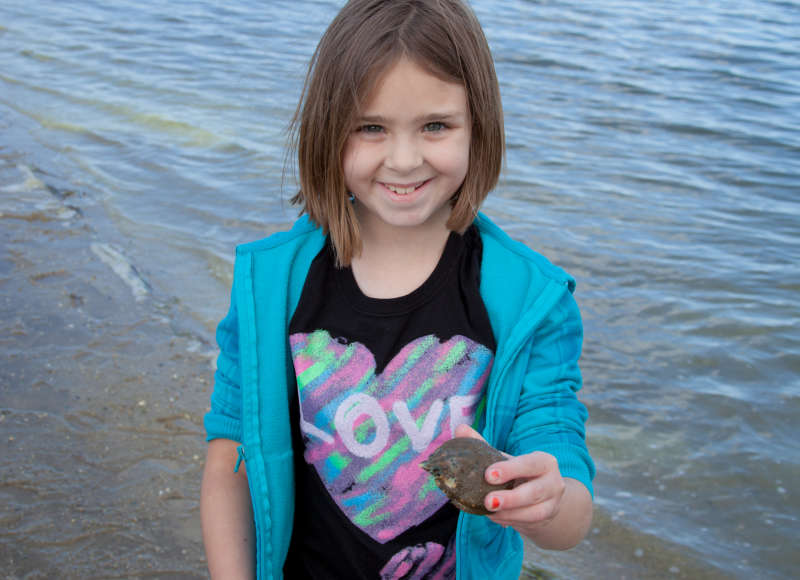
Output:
x=366 y=434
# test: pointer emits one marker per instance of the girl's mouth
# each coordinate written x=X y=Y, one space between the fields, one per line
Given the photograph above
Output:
x=403 y=189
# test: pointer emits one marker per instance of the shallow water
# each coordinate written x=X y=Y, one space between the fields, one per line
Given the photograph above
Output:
x=653 y=152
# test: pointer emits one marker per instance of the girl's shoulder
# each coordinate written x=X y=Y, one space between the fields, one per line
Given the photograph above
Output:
x=502 y=255
x=302 y=231
x=521 y=289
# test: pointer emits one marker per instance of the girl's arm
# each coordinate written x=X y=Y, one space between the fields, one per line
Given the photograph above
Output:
x=551 y=503
x=226 y=514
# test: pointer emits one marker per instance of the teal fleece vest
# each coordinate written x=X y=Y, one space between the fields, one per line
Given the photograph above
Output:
x=531 y=394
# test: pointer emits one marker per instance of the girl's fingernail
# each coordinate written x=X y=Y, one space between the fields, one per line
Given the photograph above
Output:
x=494 y=474
x=495 y=503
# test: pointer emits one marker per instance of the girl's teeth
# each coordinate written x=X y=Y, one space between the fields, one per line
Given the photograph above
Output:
x=401 y=190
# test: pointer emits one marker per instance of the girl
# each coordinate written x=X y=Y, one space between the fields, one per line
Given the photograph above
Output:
x=391 y=318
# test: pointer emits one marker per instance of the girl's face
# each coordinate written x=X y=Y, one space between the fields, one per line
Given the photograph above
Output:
x=409 y=151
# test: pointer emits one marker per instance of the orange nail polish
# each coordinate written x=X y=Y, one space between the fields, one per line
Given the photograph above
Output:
x=495 y=475
x=495 y=503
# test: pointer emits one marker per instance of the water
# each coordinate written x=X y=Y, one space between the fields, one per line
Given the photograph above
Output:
x=653 y=152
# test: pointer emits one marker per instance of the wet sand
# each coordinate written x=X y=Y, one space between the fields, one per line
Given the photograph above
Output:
x=102 y=394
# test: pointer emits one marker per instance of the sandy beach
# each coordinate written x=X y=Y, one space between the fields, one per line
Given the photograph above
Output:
x=101 y=441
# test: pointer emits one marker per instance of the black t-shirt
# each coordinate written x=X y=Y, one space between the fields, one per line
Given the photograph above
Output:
x=381 y=384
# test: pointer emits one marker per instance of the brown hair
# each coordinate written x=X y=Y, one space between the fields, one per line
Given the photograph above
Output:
x=365 y=38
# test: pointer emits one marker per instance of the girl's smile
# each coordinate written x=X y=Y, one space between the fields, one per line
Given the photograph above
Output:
x=403 y=189
x=408 y=153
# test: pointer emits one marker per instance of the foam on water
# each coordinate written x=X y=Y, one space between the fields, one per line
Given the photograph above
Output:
x=123 y=268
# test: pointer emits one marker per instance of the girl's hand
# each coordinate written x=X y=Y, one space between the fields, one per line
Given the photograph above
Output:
x=536 y=506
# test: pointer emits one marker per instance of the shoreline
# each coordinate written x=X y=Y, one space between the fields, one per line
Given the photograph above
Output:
x=103 y=395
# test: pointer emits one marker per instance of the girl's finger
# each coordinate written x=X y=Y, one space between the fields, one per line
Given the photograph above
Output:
x=527 y=466
x=465 y=430
x=524 y=516
x=530 y=493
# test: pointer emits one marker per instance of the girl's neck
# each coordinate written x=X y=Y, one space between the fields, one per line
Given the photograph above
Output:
x=395 y=261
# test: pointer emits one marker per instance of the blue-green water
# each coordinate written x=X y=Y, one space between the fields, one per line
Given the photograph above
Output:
x=653 y=151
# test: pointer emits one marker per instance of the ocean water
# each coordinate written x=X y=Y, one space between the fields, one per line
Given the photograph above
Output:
x=653 y=152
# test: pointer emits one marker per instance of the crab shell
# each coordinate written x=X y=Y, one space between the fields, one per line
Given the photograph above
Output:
x=458 y=467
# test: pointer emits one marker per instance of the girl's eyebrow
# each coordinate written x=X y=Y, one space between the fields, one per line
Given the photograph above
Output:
x=444 y=116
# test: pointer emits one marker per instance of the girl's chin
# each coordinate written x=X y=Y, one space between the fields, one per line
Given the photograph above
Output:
x=410 y=219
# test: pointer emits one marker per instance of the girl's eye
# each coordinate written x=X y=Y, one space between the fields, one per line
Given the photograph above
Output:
x=435 y=126
x=370 y=129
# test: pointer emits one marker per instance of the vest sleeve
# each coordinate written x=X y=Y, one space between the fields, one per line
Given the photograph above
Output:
x=224 y=420
x=550 y=417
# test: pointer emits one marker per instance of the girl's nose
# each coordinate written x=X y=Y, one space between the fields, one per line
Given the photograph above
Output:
x=404 y=154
